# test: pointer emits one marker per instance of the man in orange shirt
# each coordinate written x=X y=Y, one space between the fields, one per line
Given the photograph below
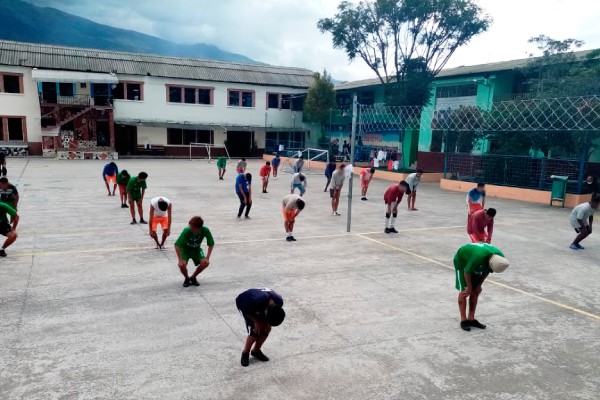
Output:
x=478 y=223
x=265 y=173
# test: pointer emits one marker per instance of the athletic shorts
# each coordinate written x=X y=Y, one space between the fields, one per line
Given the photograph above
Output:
x=136 y=196
x=393 y=206
x=265 y=178
x=289 y=215
x=364 y=184
x=332 y=192
x=162 y=221
x=111 y=179
x=478 y=237
x=5 y=228
x=579 y=230
x=221 y=166
x=461 y=284
x=475 y=207
x=196 y=258
x=122 y=189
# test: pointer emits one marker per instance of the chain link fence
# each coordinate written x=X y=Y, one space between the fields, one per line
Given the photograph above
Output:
x=519 y=142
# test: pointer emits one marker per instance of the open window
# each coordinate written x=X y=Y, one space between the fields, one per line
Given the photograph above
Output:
x=11 y=84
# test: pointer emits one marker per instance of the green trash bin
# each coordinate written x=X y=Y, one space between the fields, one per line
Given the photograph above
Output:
x=559 y=189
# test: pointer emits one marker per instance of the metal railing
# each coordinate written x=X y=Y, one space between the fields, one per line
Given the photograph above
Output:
x=82 y=100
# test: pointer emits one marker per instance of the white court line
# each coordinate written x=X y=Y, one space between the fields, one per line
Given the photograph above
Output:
x=493 y=282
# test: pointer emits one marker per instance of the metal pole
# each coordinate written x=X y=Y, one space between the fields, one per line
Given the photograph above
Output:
x=352 y=140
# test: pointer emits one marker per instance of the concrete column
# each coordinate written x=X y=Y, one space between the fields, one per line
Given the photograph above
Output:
x=111 y=129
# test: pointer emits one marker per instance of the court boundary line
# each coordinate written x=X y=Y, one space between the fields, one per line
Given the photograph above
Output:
x=491 y=281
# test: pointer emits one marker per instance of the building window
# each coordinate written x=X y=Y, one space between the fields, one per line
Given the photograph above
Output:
x=273 y=100
x=241 y=98
x=66 y=89
x=366 y=98
x=205 y=96
x=12 y=128
x=465 y=90
x=10 y=83
x=189 y=95
x=134 y=91
x=183 y=137
x=286 y=102
x=129 y=91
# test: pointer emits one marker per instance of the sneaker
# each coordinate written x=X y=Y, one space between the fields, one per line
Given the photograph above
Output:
x=387 y=230
x=363 y=198
x=264 y=191
x=245 y=359
x=2 y=253
x=124 y=206
x=194 y=282
x=239 y=217
x=293 y=239
x=476 y=324
x=465 y=326
x=133 y=222
x=259 y=355
x=143 y=222
x=186 y=282
x=580 y=247
x=288 y=239
x=573 y=247
x=337 y=214
x=247 y=217
x=393 y=230
x=220 y=179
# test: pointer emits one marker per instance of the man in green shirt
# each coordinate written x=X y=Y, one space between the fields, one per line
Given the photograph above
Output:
x=136 y=188
x=123 y=178
x=188 y=247
x=6 y=229
x=221 y=166
x=472 y=264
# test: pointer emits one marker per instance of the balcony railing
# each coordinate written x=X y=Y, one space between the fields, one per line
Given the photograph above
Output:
x=82 y=100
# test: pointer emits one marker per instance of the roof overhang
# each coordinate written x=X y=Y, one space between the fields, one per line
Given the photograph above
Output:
x=50 y=75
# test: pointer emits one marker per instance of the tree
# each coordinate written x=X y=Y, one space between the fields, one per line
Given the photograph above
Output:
x=560 y=71
x=405 y=40
x=320 y=99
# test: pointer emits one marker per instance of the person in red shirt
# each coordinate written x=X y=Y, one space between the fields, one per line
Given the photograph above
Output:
x=478 y=223
x=265 y=173
x=392 y=198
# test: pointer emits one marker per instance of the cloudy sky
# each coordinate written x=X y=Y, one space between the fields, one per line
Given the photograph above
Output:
x=283 y=32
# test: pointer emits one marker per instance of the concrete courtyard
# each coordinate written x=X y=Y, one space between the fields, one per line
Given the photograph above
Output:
x=89 y=310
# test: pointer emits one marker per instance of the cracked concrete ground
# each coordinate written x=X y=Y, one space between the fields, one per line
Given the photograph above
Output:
x=91 y=311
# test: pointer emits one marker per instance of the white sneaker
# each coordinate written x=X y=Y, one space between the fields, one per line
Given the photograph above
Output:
x=337 y=214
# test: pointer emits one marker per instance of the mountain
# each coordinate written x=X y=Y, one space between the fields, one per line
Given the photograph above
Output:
x=25 y=22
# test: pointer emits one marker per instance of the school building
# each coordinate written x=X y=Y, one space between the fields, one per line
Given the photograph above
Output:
x=78 y=103
x=478 y=85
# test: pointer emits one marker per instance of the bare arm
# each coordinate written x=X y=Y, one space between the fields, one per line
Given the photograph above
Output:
x=15 y=221
x=208 y=254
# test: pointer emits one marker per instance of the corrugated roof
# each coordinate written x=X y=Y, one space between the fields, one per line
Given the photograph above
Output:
x=91 y=60
x=460 y=71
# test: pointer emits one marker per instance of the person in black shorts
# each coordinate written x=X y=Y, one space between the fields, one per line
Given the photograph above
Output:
x=261 y=309
x=6 y=229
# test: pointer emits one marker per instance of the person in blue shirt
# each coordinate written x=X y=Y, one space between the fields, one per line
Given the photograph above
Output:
x=109 y=174
x=476 y=199
x=243 y=188
x=261 y=309
x=275 y=164
x=329 y=168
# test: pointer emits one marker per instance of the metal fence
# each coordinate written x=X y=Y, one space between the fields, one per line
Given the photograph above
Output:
x=520 y=142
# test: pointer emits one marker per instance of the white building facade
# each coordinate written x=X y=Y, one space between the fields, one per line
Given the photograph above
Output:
x=83 y=103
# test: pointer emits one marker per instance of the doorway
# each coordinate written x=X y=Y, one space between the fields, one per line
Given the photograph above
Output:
x=125 y=139
x=49 y=94
x=239 y=143
x=101 y=94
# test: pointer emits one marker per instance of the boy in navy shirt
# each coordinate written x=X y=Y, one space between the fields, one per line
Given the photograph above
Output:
x=243 y=188
x=261 y=309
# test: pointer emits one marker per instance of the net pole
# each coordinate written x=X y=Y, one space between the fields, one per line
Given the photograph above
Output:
x=190 y=152
x=352 y=139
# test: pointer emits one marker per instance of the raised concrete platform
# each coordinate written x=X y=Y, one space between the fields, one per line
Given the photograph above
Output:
x=91 y=311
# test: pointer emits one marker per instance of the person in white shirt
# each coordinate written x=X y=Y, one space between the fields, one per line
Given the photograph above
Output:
x=335 y=190
x=241 y=166
x=292 y=205
x=582 y=218
x=299 y=182
x=365 y=179
x=299 y=164
x=160 y=214
x=413 y=181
